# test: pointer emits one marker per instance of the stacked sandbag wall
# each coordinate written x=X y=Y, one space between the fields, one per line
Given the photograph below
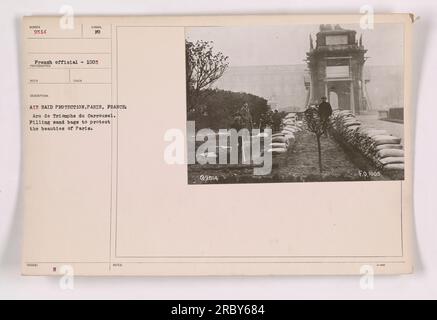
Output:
x=282 y=141
x=384 y=150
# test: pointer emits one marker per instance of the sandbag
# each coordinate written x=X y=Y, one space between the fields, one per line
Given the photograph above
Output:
x=394 y=166
x=289 y=132
x=277 y=151
x=278 y=145
x=351 y=123
x=385 y=139
x=388 y=146
x=279 y=139
x=277 y=134
x=366 y=130
x=390 y=160
x=384 y=153
x=348 y=117
x=353 y=128
x=292 y=129
x=375 y=132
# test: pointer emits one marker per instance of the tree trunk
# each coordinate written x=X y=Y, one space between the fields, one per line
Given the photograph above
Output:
x=319 y=149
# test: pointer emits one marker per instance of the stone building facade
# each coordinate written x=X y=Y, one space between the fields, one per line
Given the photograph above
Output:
x=336 y=68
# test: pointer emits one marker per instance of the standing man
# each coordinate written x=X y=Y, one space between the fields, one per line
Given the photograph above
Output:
x=276 y=121
x=325 y=111
x=239 y=124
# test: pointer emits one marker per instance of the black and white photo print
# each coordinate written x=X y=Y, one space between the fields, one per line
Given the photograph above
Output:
x=295 y=103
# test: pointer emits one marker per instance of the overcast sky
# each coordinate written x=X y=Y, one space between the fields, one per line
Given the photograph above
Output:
x=285 y=45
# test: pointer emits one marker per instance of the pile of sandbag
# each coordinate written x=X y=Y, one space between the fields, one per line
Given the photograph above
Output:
x=279 y=145
x=282 y=141
x=382 y=148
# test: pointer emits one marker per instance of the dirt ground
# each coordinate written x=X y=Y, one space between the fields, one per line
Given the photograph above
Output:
x=302 y=159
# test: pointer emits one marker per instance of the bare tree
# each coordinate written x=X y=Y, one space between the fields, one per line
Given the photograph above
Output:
x=317 y=126
x=203 y=68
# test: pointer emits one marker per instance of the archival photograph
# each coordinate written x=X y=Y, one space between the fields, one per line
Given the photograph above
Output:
x=295 y=103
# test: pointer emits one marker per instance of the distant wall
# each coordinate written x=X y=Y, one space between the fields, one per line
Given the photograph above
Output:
x=385 y=87
x=284 y=85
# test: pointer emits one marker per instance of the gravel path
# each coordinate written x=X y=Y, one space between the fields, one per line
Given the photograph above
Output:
x=371 y=120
